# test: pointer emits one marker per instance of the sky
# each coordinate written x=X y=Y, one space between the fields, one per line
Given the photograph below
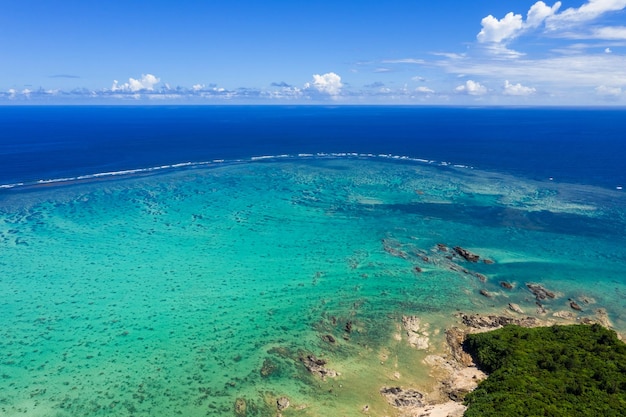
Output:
x=421 y=52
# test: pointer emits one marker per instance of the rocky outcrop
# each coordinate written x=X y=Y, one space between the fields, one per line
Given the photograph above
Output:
x=317 y=367
x=402 y=398
x=240 y=407
x=477 y=321
x=574 y=305
x=516 y=308
x=455 y=338
x=506 y=285
x=467 y=255
x=416 y=333
x=540 y=292
x=282 y=403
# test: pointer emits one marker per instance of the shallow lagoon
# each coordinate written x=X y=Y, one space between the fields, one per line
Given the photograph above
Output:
x=180 y=292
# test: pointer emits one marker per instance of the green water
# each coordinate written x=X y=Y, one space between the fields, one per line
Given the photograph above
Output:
x=178 y=293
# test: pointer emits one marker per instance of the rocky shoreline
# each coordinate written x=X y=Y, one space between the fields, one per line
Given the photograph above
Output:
x=454 y=368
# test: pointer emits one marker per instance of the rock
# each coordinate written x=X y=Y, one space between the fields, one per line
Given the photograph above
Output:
x=416 y=335
x=516 y=308
x=282 y=403
x=348 y=327
x=506 y=285
x=567 y=315
x=417 y=269
x=574 y=305
x=467 y=255
x=442 y=247
x=455 y=338
x=458 y=395
x=481 y=277
x=316 y=366
x=540 y=292
x=240 y=407
x=486 y=293
x=399 y=397
x=488 y=261
x=603 y=318
x=328 y=338
x=491 y=322
x=268 y=368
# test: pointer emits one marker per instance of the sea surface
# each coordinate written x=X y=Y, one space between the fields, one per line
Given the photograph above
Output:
x=162 y=261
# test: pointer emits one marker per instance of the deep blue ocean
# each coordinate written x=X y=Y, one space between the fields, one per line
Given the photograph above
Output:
x=571 y=145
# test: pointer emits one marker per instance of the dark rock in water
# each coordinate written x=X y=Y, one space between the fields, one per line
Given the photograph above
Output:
x=348 y=327
x=417 y=269
x=506 y=285
x=481 y=277
x=402 y=398
x=488 y=261
x=540 y=292
x=282 y=403
x=574 y=305
x=268 y=368
x=491 y=322
x=316 y=366
x=469 y=256
x=485 y=293
x=240 y=407
x=328 y=338
x=442 y=247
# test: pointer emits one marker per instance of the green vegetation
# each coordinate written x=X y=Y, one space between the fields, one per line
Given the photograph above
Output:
x=567 y=371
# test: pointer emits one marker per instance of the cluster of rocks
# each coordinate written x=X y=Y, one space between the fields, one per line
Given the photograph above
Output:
x=477 y=321
x=402 y=398
x=316 y=366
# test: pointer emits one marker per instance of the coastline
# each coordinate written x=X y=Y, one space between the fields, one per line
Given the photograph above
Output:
x=453 y=369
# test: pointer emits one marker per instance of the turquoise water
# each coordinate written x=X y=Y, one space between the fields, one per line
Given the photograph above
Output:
x=178 y=293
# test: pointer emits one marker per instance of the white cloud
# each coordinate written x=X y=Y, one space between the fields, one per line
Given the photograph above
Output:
x=539 y=12
x=197 y=87
x=608 y=51
x=424 y=90
x=517 y=89
x=329 y=83
x=472 y=88
x=146 y=82
x=512 y=24
x=495 y=30
x=610 y=32
x=404 y=61
x=608 y=91
x=582 y=70
x=585 y=13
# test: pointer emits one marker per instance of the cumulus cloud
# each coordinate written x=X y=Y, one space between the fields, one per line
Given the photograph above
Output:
x=195 y=87
x=517 y=89
x=495 y=30
x=329 y=83
x=511 y=25
x=539 y=12
x=472 y=88
x=147 y=82
x=424 y=90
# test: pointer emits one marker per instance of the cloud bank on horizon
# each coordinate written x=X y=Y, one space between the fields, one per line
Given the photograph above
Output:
x=548 y=54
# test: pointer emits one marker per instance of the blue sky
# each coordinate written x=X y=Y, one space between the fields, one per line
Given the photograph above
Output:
x=482 y=52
